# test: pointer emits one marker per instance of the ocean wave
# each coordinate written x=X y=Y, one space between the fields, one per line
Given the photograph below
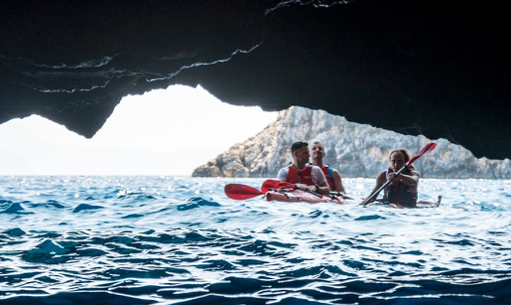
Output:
x=184 y=242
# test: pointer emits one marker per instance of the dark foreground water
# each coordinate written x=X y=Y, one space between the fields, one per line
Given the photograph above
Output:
x=171 y=240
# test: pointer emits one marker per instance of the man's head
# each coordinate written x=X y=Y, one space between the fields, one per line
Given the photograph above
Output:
x=317 y=150
x=398 y=158
x=298 y=145
x=300 y=151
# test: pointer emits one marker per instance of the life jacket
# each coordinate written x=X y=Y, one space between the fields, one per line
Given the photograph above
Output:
x=327 y=170
x=400 y=193
x=300 y=176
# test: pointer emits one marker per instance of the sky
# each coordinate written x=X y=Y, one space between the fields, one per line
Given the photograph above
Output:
x=163 y=132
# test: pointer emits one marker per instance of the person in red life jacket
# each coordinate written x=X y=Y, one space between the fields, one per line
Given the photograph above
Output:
x=333 y=177
x=301 y=173
x=402 y=191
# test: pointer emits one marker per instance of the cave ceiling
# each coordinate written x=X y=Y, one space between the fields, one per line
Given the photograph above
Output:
x=437 y=68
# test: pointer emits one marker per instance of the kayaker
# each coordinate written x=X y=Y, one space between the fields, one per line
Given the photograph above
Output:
x=301 y=173
x=333 y=177
x=402 y=191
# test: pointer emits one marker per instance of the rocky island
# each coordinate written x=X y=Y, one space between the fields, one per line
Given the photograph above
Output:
x=356 y=150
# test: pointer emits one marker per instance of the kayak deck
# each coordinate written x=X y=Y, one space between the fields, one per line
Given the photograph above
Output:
x=297 y=195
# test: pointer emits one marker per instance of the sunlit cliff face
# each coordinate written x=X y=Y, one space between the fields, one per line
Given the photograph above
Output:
x=437 y=67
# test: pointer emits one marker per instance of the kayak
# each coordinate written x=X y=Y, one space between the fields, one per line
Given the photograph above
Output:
x=273 y=190
x=298 y=195
x=423 y=204
x=284 y=194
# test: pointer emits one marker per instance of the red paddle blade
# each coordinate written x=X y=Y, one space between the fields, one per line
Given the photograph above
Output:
x=269 y=184
x=425 y=150
x=241 y=192
x=275 y=185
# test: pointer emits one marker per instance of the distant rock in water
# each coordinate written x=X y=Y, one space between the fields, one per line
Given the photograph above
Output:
x=356 y=150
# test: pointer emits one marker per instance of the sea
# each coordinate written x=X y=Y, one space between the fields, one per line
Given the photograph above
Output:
x=181 y=240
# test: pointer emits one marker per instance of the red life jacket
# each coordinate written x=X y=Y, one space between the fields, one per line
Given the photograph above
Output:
x=328 y=175
x=300 y=176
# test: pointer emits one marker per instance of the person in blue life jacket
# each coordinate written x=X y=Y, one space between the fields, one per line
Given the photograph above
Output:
x=301 y=173
x=332 y=175
x=402 y=190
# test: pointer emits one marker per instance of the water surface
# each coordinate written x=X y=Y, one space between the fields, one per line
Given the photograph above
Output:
x=180 y=240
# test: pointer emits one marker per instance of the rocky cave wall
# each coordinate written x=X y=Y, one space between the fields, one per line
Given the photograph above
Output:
x=434 y=67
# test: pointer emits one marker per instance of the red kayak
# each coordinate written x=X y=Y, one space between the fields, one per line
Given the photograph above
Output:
x=297 y=195
x=285 y=192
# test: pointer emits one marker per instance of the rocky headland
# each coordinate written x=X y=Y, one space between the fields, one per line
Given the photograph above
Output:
x=356 y=150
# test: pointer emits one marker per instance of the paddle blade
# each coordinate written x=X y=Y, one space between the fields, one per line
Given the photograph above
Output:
x=275 y=185
x=241 y=192
x=425 y=150
x=269 y=184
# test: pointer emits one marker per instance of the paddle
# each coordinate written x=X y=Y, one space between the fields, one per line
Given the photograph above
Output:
x=344 y=196
x=276 y=184
x=241 y=192
x=425 y=150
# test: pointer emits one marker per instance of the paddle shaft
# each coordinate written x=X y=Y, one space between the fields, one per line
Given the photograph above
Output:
x=276 y=184
x=306 y=189
x=344 y=196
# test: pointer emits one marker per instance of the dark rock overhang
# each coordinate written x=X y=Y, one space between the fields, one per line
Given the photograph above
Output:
x=439 y=68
